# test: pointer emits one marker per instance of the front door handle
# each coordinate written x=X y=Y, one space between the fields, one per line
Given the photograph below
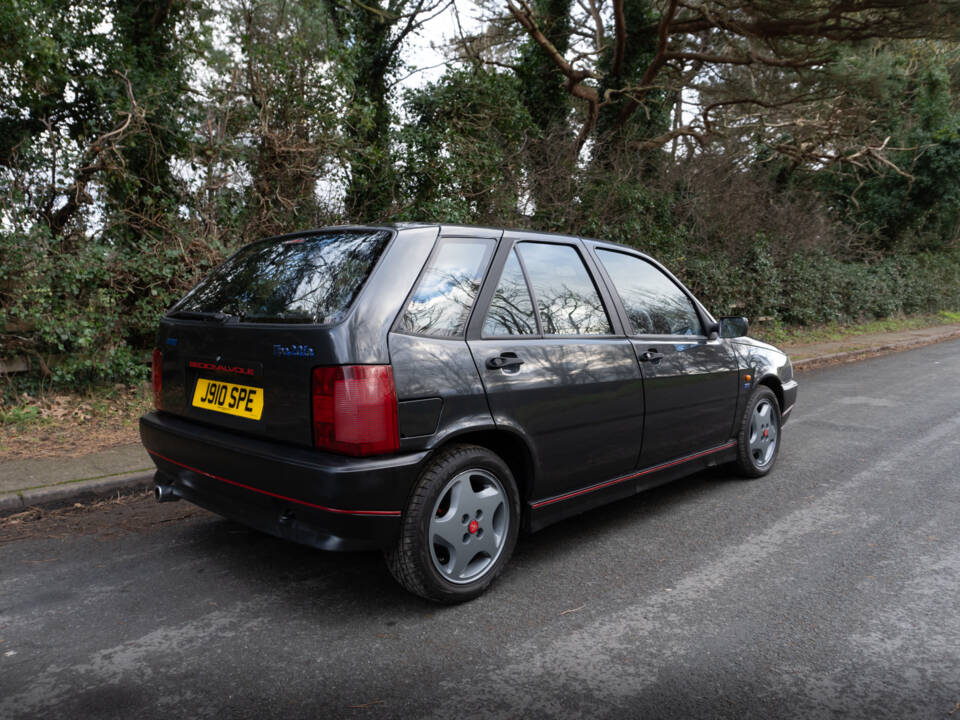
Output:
x=651 y=355
x=500 y=362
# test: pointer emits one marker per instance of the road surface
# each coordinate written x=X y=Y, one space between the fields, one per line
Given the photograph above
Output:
x=829 y=589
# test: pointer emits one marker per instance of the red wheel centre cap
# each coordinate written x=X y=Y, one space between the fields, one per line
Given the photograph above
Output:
x=473 y=527
x=765 y=433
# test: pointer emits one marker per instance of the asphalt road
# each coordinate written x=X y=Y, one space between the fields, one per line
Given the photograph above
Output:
x=829 y=589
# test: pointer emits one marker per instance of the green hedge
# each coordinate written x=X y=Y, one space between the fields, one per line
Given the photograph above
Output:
x=89 y=313
x=807 y=288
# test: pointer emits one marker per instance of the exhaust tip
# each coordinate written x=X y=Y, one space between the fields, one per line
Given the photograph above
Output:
x=165 y=493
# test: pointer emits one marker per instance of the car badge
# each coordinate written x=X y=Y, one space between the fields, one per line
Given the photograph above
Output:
x=304 y=351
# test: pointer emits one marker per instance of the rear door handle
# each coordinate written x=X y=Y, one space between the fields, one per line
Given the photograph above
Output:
x=651 y=356
x=500 y=362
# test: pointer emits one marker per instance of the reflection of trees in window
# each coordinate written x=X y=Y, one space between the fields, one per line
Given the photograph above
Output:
x=310 y=280
x=445 y=294
x=654 y=303
x=443 y=313
x=572 y=311
x=566 y=297
x=511 y=309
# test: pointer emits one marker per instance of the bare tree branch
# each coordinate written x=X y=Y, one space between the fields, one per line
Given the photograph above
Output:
x=659 y=60
x=76 y=193
x=620 y=33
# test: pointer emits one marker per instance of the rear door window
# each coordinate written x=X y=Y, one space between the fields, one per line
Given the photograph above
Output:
x=655 y=305
x=566 y=298
x=511 y=309
x=441 y=303
x=312 y=279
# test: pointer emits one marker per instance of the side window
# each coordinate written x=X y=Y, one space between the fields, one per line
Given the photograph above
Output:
x=567 y=300
x=654 y=303
x=447 y=289
x=511 y=309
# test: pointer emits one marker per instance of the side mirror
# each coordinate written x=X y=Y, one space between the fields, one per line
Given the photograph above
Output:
x=733 y=327
x=713 y=331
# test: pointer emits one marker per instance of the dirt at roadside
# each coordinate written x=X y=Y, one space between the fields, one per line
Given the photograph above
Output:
x=123 y=514
x=858 y=347
x=71 y=425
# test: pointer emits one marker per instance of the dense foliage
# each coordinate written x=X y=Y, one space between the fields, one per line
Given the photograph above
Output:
x=793 y=161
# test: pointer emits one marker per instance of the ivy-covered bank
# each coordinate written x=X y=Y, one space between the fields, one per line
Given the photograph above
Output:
x=142 y=141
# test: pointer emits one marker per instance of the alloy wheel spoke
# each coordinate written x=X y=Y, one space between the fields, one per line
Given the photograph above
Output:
x=448 y=529
x=460 y=559
x=487 y=543
x=763 y=411
x=487 y=501
x=456 y=495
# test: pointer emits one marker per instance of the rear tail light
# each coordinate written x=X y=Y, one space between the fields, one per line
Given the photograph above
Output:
x=156 y=375
x=355 y=409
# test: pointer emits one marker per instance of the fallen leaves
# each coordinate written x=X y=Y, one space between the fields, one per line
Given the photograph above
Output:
x=71 y=424
x=123 y=513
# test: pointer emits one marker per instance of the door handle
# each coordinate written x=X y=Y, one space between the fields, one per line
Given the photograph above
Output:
x=500 y=362
x=651 y=355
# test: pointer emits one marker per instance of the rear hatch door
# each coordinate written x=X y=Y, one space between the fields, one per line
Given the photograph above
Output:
x=239 y=349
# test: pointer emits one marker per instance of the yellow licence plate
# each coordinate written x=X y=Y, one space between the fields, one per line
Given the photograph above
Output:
x=241 y=400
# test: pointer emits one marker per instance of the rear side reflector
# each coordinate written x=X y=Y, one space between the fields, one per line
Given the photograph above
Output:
x=355 y=409
x=156 y=375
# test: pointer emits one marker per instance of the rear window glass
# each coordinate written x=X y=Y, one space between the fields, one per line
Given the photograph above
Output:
x=310 y=279
x=442 y=301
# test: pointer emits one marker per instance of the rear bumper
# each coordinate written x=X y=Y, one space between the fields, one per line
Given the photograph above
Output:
x=318 y=499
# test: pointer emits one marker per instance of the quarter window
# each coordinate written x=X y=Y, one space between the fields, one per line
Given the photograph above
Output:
x=511 y=309
x=655 y=305
x=567 y=300
x=442 y=301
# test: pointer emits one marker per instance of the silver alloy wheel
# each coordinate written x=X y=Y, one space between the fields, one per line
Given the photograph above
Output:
x=763 y=434
x=468 y=526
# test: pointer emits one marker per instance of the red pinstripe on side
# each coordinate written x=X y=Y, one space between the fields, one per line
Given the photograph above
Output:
x=646 y=471
x=377 y=513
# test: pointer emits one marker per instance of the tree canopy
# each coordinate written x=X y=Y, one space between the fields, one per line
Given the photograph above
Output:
x=747 y=142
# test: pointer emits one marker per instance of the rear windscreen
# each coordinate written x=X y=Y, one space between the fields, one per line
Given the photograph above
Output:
x=310 y=279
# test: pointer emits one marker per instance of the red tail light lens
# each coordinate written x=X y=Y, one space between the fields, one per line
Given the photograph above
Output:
x=355 y=409
x=156 y=375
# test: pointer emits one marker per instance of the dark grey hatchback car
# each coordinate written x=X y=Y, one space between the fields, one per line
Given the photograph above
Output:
x=434 y=390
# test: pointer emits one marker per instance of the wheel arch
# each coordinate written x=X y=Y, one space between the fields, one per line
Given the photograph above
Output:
x=773 y=382
x=509 y=446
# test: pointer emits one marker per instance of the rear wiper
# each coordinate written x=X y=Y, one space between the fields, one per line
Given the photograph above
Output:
x=218 y=316
x=281 y=318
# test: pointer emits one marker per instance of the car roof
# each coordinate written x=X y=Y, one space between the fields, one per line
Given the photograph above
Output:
x=455 y=229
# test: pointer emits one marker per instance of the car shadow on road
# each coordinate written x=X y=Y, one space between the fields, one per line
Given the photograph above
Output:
x=359 y=582
x=300 y=575
x=633 y=514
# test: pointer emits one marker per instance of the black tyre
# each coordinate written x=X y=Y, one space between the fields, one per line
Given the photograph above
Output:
x=459 y=527
x=758 y=438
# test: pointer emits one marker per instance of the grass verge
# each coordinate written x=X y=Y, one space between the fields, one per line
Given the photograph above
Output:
x=810 y=334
